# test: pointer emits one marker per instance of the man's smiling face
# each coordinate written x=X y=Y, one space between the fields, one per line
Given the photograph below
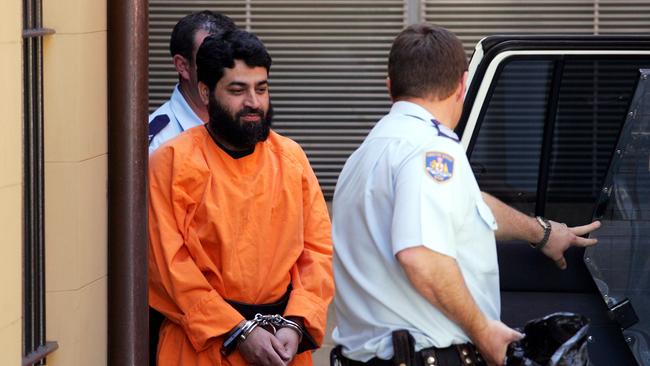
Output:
x=239 y=107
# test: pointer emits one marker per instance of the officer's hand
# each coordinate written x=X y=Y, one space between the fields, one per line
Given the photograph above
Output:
x=493 y=341
x=264 y=349
x=563 y=237
x=290 y=340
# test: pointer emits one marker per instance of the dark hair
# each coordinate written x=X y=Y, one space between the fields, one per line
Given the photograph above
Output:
x=425 y=61
x=182 y=39
x=217 y=53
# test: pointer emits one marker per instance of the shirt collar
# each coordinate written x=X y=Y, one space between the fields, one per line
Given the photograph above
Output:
x=411 y=109
x=414 y=110
x=182 y=110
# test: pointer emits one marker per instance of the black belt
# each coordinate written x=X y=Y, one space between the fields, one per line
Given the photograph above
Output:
x=248 y=311
x=405 y=355
x=457 y=355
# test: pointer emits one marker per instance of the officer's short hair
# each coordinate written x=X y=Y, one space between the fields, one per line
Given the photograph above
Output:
x=425 y=61
x=182 y=39
x=217 y=53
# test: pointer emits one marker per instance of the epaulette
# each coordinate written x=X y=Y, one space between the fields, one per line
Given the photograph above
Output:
x=157 y=124
x=436 y=124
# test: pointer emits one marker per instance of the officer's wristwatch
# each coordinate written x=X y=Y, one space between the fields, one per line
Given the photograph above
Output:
x=546 y=225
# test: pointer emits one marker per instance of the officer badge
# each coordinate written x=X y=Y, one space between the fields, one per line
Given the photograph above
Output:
x=439 y=166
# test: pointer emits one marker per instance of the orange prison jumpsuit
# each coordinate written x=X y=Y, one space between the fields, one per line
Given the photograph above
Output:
x=238 y=229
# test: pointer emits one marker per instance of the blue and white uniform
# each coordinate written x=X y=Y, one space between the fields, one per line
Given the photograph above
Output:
x=170 y=119
x=409 y=184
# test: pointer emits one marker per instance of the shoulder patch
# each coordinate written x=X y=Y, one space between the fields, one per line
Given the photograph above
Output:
x=439 y=166
x=157 y=124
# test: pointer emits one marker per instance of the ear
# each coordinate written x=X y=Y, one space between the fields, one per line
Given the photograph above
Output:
x=182 y=66
x=462 y=88
x=204 y=93
x=388 y=88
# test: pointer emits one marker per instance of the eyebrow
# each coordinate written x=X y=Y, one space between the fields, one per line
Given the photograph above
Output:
x=243 y=84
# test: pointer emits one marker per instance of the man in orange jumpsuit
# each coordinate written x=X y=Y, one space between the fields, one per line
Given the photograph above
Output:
x=237 y=225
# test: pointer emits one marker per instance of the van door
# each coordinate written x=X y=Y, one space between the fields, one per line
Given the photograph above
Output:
x=620 y=264
x=541 y=124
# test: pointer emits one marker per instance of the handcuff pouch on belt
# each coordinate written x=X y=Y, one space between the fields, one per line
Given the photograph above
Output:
x=404 y=353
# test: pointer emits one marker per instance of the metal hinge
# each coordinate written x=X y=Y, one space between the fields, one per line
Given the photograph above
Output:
x=623 y=313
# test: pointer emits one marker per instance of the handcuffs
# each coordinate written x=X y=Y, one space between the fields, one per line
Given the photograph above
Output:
x=269 y=322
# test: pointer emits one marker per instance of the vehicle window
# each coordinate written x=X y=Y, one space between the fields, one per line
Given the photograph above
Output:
x=505 y=158
x=620 y=263
x=594 y=96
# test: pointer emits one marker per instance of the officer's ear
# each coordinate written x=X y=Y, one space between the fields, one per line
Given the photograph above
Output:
x=182 y=66
x=462 y=87
x=388 y=87
x=204 y=93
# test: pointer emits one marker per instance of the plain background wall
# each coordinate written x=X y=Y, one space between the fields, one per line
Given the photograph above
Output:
x=75 y=98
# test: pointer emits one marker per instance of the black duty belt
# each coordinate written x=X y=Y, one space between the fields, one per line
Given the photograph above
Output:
x=455 y=355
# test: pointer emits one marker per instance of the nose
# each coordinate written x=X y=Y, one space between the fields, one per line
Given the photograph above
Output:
x=252 y=100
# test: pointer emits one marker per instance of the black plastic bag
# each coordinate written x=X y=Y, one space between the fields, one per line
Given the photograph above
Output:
x=558 y=339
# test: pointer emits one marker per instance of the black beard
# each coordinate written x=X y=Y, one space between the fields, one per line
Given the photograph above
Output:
x=241 y=135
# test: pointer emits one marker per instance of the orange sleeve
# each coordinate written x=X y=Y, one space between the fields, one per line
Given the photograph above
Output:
x=311 y=276
x=177 y=287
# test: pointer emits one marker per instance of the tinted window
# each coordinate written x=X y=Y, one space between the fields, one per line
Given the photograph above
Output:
x=594 y=96
x=506 y=155
x=591 y=96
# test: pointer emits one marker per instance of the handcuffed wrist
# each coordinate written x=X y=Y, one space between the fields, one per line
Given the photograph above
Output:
x=270 y=323
x=233 y=337
x=295 y=326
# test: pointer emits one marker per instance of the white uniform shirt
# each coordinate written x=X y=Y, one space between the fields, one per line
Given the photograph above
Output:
x=180 y=116
x=408 y=184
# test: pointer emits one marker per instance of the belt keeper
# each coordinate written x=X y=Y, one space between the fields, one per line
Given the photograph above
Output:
x=403 y=348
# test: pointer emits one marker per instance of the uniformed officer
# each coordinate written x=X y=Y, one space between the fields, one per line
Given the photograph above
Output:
x=415 y=259
x=184 y=109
